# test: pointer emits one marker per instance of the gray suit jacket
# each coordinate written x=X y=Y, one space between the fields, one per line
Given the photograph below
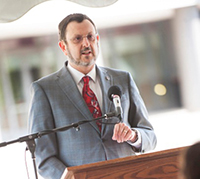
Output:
x=56 y=102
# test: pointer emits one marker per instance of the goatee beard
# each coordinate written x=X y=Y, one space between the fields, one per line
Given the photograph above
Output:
x=79 y=62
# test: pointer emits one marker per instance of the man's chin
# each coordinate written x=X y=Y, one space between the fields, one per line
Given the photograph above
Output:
x=87 y=62
x=83 y=61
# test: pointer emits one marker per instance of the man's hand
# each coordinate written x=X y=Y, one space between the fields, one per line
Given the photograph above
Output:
x=123 y=133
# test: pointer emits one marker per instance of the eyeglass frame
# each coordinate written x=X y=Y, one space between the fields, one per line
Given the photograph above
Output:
x=84 y=36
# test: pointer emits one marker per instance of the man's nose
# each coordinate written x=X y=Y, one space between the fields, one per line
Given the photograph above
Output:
x=85 y=42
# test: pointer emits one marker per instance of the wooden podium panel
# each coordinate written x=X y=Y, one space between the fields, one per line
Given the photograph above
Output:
x=156 y=165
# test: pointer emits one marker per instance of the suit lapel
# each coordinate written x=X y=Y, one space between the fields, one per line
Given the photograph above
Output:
x=68 y=86
x=106 y=81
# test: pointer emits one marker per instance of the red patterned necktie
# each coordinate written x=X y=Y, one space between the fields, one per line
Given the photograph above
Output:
x=91 y=100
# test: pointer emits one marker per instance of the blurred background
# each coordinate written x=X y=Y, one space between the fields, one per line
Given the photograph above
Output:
x=157 y=42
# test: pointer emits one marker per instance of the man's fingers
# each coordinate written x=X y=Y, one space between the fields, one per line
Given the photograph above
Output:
x=116 y=129
x=121 y=132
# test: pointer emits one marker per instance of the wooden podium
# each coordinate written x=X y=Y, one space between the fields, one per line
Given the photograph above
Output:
x=156 y=165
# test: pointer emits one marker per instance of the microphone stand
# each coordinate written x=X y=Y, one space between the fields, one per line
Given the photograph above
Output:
x=30 y=139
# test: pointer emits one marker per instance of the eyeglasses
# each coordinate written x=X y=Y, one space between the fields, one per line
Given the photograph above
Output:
x=79 y=38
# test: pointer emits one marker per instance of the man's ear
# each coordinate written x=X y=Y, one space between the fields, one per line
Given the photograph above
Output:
x=98 y=38
x=62 y=45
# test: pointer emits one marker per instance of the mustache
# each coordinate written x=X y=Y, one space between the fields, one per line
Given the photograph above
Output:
x=86 y=49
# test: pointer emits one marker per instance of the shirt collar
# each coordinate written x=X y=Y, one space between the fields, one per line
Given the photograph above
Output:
x=77 y=75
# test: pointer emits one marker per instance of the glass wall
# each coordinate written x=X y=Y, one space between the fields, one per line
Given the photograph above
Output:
x=23 y=61
x=146 y=51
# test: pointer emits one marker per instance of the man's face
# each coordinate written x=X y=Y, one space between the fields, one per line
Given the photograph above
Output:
x=81 y=44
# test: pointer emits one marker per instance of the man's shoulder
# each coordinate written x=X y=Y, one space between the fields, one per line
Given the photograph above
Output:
x=50 y=77
x=113 y=70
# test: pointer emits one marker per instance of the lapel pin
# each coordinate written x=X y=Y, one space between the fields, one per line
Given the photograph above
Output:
x=107 y=78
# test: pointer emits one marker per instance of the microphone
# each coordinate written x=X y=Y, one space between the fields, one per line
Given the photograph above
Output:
x=114 y=94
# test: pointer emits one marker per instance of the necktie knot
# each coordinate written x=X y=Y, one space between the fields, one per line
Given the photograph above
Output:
x=86 y=80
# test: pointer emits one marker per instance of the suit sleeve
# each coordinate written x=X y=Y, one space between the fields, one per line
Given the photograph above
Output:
x=138 y=118
x=41 y=118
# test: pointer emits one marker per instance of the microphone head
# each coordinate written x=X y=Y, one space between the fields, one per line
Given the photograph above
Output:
x=114 y=90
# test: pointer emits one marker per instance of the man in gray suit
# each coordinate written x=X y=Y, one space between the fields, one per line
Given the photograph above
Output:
x=57 y=101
